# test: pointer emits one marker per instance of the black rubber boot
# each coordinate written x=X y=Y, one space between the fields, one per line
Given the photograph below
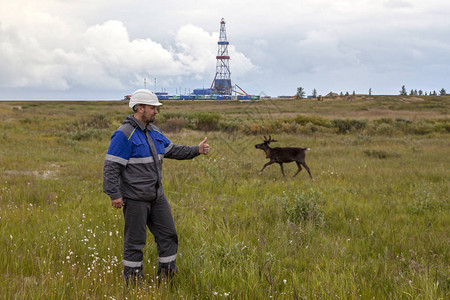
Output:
x=133 y=276
x=166 y=271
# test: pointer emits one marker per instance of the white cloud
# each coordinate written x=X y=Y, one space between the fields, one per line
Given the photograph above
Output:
x=398 y=4
x=105 y=57
x=196 y=48
x=60 y=45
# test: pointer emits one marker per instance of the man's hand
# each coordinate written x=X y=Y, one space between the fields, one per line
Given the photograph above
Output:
x=118 y=203
x=203 y=147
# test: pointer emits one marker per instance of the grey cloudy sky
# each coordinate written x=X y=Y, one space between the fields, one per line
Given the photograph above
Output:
x=99 y=49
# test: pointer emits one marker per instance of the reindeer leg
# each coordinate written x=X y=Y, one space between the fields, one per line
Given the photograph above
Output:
x=299 y=168
x=282 y=169
x=307 y=169
x=267 y=164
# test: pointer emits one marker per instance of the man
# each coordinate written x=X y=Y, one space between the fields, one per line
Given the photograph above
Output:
x=132 y=179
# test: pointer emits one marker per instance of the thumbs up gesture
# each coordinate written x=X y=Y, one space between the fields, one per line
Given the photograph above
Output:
x=203 y=147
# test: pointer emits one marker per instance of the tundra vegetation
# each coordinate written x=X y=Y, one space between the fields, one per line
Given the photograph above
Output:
x=374 y=223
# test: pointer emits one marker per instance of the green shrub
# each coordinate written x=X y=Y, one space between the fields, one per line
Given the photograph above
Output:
x=231 y=254
x=381 y=154
x=403 y=125
x=349 y=125
x=164 y=116
x=446 y=126
x=205 y=121
x=400 y=122
x=230 y=126
x=302 y=207
x=385 y=129
x=267 y=127
x=289 y=127
x=172 y=125
x=423 y=128
x=309 y=128
x=384 y=121
x=86 y=134
x=422 y=200
x=93 y=127
x=316 y=120
x=97 y=121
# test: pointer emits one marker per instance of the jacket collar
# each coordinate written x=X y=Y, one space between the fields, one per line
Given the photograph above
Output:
x=137 y=124
x=134 y=122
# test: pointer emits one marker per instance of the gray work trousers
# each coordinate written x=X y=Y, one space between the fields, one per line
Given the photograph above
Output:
x=155 y=215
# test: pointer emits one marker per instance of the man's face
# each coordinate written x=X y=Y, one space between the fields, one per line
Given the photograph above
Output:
x=149 y=113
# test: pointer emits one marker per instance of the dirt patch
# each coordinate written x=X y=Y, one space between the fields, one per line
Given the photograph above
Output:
x=410 y=99
x=52 y=173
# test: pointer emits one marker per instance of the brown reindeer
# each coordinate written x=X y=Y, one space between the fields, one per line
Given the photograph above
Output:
x=282 y=155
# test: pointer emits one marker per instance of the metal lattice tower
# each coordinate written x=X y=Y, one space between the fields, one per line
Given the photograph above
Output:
x=222 y=79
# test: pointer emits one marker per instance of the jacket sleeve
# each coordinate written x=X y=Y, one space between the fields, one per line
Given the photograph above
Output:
x=115 y=161
x=175 y=151
x=181 y=152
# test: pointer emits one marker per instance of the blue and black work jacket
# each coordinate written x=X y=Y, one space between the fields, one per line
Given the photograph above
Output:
x=130 y=170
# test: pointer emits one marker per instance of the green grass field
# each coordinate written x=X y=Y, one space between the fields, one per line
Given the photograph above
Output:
x=374 y=224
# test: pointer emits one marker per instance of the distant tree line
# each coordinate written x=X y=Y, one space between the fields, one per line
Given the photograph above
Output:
x=403 y=92
x=414 y=92
x=301 y=93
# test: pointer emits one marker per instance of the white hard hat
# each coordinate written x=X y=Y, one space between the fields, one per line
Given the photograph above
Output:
x=144 y=96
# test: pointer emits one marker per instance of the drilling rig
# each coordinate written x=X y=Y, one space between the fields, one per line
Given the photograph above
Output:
x=222 y=80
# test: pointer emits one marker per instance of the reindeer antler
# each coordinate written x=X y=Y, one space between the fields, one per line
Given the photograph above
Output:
x=268 y=141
